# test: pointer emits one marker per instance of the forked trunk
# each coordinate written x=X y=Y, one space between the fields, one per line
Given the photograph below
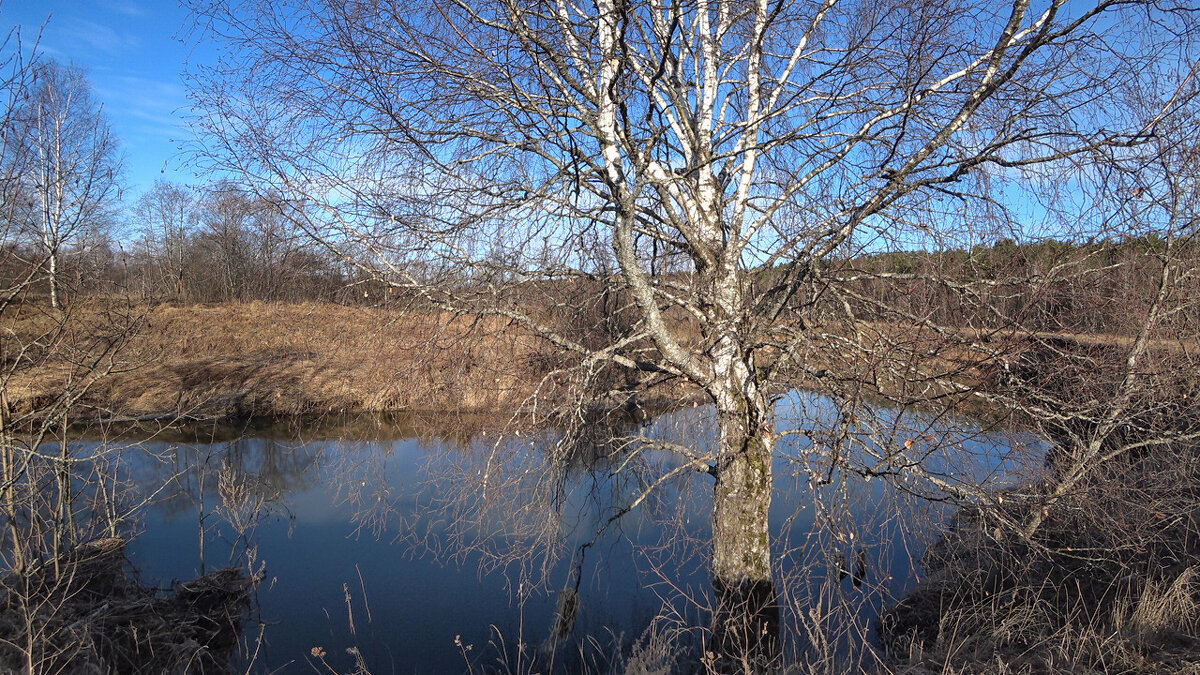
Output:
x=745 y=630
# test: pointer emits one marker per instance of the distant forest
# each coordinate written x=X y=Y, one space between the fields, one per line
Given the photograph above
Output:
x=1048 y=285
x=223 y=245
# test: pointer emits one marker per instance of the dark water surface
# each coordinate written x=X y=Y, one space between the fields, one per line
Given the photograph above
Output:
x=347 y=525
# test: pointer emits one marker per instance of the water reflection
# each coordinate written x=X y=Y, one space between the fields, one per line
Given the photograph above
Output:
x=411 y=538
x=346 y=537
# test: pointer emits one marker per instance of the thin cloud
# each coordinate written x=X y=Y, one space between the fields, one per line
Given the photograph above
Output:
x=126 y=7
x=152 y=103
x=98 y=36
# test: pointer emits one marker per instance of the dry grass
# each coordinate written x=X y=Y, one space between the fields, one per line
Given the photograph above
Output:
x=1111 y=584
x=234 y=360
x=238 y=360
x=1168 y=606
x=93 y=616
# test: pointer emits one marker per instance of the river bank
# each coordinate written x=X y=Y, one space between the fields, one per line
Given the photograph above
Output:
x=1111 y=584
x=236 y=361
x=128 y=362
x=240 y=360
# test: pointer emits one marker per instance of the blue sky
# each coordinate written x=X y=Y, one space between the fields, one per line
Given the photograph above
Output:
x=130 y=51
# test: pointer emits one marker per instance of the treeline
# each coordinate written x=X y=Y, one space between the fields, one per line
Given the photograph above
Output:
x=215 y=243
x=67 y=231
x=218 y=243
x=221 y=244
x=1049 y=285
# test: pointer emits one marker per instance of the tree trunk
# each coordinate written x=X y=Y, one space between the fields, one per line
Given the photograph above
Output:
x=746 y=617
x=8 y=478
x=53 y=270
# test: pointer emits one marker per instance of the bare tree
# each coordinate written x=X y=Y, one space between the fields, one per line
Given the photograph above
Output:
x=56 y=499
x=166 y=215
x=718 y=165
x=1085 y=553
x=15 y=84
x=1118 y=401
x=73 y=167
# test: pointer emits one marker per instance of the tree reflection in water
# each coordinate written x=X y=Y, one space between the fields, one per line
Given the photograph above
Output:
x=399 y=535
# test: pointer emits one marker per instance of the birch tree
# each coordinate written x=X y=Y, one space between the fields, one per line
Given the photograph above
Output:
x=716 y=162
x=73 y=165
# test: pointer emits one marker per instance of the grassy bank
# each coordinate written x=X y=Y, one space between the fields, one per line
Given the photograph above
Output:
x=258 y=359
x=1110 y=585
x=241 y=360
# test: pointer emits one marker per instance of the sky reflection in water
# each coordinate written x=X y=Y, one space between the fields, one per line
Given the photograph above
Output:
x=329 y=518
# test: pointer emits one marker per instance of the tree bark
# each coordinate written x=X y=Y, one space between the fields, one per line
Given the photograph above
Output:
x=745 y=622
x=53 y=275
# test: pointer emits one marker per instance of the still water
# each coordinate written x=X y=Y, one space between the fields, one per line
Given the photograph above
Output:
x=386 y=538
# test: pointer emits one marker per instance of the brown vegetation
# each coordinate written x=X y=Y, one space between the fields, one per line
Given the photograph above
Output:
x=1107 y=585
x=86 y=613
x=256 y=359
x=1091 y=566
x=265 y=359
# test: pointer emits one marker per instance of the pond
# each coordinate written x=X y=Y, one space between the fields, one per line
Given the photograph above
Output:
x=382 y=539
